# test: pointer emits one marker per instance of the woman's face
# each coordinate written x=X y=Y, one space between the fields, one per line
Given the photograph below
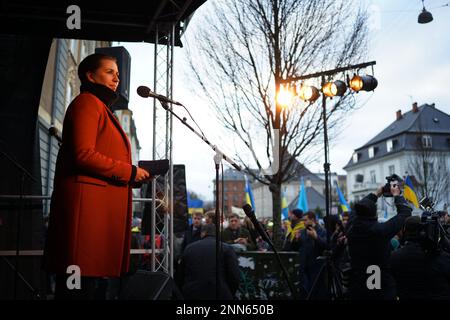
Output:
x=107 y=74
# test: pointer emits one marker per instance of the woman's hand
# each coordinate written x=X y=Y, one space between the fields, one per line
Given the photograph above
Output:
x=141 y=175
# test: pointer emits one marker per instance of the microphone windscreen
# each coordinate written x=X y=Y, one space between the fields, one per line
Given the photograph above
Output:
x=143 y=91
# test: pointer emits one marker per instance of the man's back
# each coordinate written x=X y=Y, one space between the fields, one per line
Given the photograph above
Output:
x=198 y=271
x=369 y=245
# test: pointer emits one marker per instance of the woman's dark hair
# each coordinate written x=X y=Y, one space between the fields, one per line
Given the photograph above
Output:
x=91 y=63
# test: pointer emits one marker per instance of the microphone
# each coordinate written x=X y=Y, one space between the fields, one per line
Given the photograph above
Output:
x=145 y=92
x=54 y=133
x=251 y=215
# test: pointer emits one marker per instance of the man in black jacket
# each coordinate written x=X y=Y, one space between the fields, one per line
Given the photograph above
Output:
x=420 y=271
x=196 y=274
x=369 y=246
x=192 y=232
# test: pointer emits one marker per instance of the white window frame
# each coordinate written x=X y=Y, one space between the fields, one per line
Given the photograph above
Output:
x=371 y=152
x=427 y=141
x=389 y=145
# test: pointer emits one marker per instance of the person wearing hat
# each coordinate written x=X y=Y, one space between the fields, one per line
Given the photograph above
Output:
x=293 y=230
x=369 y=244
x=420 y=273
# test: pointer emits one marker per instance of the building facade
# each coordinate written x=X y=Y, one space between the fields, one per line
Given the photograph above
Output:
x=417 y=144
x=233 y=190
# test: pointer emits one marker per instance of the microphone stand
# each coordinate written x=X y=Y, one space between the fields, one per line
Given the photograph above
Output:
x=24 y=173
x=217 y=160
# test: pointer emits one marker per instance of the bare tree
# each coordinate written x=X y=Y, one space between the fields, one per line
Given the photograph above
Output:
x=244 y=48
x=429 y=167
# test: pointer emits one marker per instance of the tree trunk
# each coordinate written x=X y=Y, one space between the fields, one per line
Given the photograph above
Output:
x=276 y=214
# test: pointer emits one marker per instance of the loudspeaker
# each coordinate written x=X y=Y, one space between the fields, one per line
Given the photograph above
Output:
x=147 y=285
x=124 y=65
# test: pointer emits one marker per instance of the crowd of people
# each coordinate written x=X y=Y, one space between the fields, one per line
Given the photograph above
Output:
x=339 y=264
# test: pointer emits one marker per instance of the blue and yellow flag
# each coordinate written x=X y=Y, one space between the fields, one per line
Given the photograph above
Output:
x=302 y=198
x=194 y=205
x=249 y=194
x=284 y=207
x=344 y=204
x=409 y=193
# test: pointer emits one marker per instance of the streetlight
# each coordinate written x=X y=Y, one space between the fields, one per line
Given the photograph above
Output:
x=425 y=16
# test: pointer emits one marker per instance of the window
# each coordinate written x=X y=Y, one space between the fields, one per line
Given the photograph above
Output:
x=426 y=141
x=391 y=170
x=373 y=176
x=126 y=123
x=74 y=49
x=371 y=152
x=389 y=145
x=355 y=157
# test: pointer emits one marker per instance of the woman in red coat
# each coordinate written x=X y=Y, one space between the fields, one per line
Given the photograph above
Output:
x=90 y=214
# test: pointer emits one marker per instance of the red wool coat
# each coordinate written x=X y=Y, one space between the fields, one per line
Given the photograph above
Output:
x=90 y=213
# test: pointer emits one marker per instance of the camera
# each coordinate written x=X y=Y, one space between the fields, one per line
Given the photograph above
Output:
x=392 y=180
x=432 y=233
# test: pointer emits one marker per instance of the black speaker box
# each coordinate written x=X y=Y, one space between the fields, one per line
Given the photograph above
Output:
x=147 y=285
x=124 y=65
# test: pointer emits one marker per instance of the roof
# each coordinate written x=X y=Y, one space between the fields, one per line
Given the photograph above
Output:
x=133 y=20
x=234 y=175
x=421 y=121
x=403 y=132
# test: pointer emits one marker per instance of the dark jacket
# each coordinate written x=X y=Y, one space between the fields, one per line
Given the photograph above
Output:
x=309 y=250
x=190 y=235
x=421 y=275
x=196 y=274
x=228 y=236
x=369 y=244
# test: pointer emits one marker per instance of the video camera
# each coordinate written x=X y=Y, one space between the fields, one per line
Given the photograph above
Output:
x=392 y=181
x=432 y=234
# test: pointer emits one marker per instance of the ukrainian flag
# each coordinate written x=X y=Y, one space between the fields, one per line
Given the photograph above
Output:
x=249 y=194
x=344 y=205
x=409 y=193
x=302 y=197
x=284 y=207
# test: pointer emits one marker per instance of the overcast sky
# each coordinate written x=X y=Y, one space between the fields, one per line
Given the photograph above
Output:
x=412 y=65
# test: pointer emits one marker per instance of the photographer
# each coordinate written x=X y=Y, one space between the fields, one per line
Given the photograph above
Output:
x=419 y=271
x=369 y=243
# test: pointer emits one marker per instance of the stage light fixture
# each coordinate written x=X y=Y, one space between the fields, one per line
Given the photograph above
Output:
x=284 y=96
x=365 y=83
x=309 y=93
x=334 y=88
